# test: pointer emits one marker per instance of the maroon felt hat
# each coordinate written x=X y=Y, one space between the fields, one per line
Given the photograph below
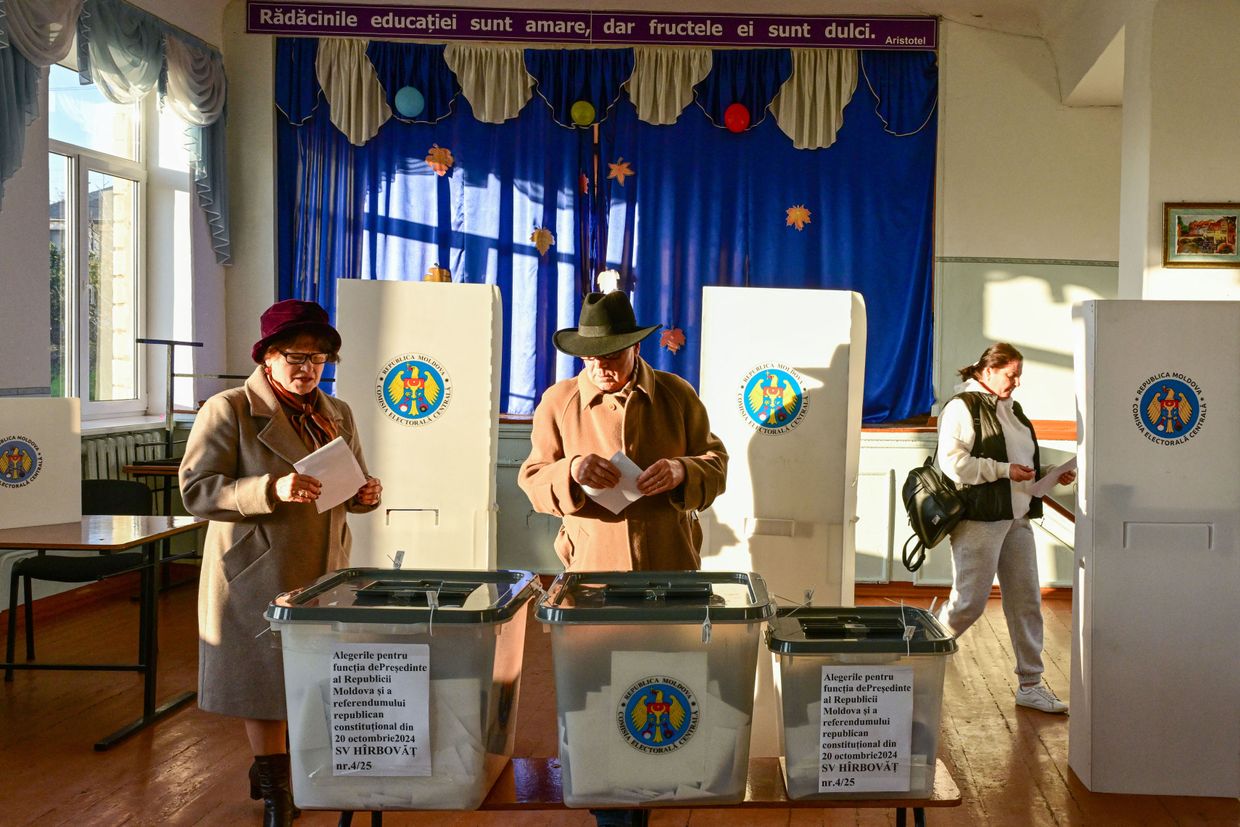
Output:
x=291 y=318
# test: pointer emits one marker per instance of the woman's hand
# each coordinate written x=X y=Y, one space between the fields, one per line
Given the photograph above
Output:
x=369 y=493
x=1019 y=473
x=663 y=475
x=1067 y=478
x=594 y=471
x=297 y=488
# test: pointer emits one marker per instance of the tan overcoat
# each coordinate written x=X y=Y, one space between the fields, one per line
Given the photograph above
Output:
x=663 y=418
x=256 y=547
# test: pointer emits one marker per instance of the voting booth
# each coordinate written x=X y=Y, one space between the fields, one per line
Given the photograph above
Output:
x=786 y=401
x=1155 y=670
x=421 y=373
x=40 y=461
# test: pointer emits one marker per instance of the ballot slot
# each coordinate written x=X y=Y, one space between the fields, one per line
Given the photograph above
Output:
x=628 y=592
x=853 y=627
x=438 y=593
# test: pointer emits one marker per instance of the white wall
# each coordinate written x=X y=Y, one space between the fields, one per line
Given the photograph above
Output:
x=1193 y=120
x=1028 y=212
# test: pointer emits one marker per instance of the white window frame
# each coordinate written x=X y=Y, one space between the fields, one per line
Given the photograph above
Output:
x=83 y=161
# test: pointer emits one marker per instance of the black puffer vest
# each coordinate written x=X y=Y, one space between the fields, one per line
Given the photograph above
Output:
x=992 y=501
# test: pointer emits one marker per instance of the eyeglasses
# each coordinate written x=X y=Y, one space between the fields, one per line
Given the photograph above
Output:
x=294 y=358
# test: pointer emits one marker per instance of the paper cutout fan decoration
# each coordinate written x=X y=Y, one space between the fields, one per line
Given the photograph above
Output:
x=673 y=339
x=798 y=217
x=440 y=159
x=543 y=239
x=620 y=170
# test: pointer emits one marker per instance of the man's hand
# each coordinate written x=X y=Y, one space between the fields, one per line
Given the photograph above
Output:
x=663 y=475
x=594 y=471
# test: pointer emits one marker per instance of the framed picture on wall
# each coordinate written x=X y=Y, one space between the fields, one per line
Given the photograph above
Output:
x=1200 y=235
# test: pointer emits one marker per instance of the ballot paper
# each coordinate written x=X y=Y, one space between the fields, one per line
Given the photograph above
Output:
x=336 y=468
x=621 y=495
x=1043 y=486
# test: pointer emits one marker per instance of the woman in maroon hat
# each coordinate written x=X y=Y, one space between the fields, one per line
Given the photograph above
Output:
x=266 y=535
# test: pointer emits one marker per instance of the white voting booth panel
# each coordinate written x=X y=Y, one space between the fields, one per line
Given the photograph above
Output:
x=785 y=398
x=421 y=373
x=1155 y=663
x=40 y=462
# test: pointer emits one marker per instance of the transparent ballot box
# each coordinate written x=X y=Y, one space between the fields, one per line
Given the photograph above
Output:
x=858 y=693
x=654 y=677
x=402 y=685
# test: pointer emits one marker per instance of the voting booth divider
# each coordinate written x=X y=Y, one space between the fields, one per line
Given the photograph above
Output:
x=421 y=374
x=40 y=461
x=785 y=397
x=1155 y=671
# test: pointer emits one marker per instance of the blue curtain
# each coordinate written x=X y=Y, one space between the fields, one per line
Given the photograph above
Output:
x=706 y=207
x=381 y=212
x=19 y=104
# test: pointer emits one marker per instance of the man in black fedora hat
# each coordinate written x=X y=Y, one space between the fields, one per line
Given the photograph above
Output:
x=618 y=403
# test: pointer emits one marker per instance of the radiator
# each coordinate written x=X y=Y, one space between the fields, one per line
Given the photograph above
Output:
x=104 y=456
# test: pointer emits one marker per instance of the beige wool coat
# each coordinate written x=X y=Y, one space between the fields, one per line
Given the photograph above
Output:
x=256 y=547
x=663 y=418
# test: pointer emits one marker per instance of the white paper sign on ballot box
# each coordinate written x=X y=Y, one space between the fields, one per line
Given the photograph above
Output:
x=867 y=728
x=421 y=373
x=380 y=701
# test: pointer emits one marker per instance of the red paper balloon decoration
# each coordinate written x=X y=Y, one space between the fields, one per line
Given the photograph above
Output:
x=736 y=117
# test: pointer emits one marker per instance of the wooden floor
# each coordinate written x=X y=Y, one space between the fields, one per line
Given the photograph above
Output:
x=1011 y=764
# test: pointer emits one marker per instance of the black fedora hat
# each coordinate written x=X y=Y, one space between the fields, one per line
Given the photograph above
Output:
x=607 y=324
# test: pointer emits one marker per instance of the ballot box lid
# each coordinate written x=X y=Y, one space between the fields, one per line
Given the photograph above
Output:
x=819 y=630
x=656 y=597
x=372 y=595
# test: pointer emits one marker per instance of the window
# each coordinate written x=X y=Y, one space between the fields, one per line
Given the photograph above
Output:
x=96 y=205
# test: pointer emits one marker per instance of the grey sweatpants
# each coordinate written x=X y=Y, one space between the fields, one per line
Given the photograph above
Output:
x=980 y=550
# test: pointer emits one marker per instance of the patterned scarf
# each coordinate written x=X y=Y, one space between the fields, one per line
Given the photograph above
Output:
x=314 y=429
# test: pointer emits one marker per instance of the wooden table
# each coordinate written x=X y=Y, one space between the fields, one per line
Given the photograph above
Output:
x=534 y=784
x=105 y=535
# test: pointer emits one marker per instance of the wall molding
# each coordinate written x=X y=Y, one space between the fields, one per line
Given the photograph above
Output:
x=1062 y=262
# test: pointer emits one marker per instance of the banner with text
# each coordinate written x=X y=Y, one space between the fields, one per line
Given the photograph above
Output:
x=586 y=27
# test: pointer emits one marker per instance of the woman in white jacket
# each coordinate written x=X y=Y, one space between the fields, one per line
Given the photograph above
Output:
x=988 y=448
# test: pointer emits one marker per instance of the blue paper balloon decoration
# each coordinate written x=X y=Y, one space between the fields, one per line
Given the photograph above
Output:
x=409 y=102
x=583 y=113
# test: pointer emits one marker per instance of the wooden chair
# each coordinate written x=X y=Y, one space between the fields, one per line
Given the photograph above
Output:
x=98 y=497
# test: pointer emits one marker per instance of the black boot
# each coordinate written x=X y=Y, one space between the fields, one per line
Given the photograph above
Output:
x=273 y=785
x=256 y=793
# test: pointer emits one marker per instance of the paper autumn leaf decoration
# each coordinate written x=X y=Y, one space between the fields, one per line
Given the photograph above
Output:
x=798 y=217
x=673 y=339
x=440 y=159
x=543 y=239
x=620 y=170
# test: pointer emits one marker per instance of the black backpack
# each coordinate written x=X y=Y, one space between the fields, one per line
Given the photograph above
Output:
x=934 y=508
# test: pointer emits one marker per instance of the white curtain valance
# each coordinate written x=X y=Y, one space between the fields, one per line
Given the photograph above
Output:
x=42 y=30
x=120 y=49
x=493 y=79
x=810 y=105
x=358 y=102
x=663 y=78
x=196 y=86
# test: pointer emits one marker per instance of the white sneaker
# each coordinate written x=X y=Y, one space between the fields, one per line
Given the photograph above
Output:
x=1040 y=697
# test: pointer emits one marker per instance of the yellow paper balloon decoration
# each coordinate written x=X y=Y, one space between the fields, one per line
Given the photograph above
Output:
x=583 y=113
